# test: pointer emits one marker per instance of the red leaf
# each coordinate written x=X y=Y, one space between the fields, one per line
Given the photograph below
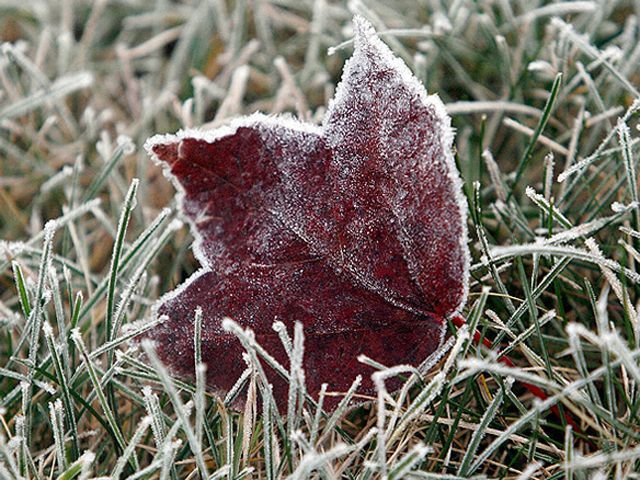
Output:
x=357 y=229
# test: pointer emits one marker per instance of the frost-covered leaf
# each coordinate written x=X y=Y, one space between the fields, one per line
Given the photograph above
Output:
x=356 y=229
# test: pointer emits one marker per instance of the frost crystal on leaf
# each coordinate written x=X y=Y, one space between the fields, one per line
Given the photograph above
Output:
x=356 y=229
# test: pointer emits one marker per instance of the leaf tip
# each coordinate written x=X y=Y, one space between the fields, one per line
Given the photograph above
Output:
x=364 y=31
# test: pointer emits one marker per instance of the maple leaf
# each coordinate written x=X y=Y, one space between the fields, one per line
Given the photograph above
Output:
x=356 y=229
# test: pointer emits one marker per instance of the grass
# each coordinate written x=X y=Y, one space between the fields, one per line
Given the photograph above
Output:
x=544 y=97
